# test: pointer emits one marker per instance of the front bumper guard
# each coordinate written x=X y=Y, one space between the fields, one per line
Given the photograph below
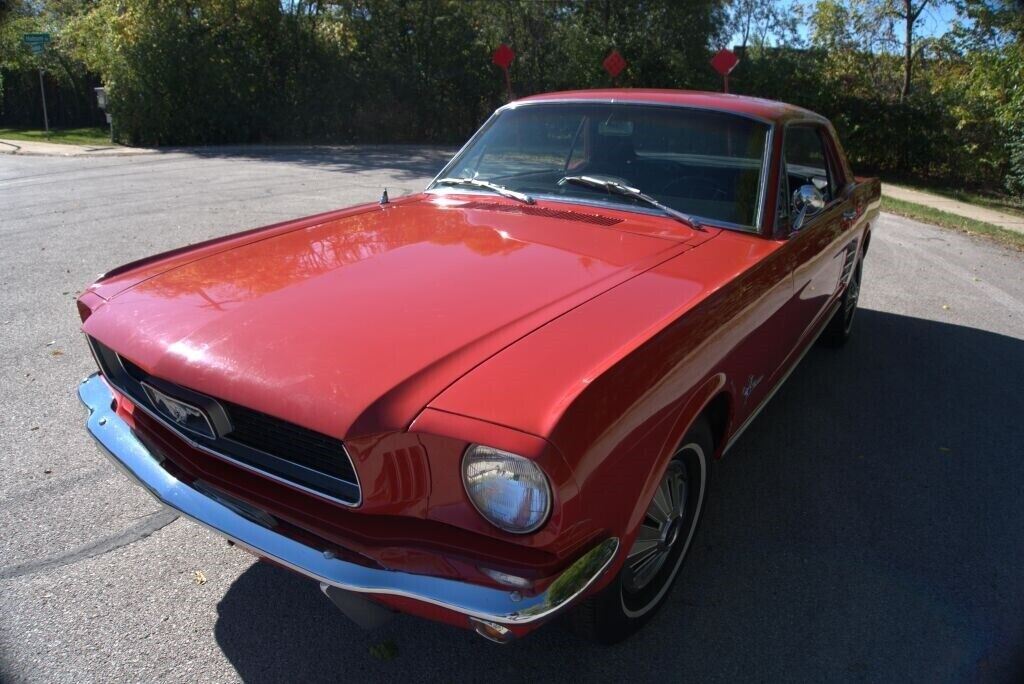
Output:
x=484 y=603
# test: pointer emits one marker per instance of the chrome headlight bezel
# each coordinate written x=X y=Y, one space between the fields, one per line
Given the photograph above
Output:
x=474 y=454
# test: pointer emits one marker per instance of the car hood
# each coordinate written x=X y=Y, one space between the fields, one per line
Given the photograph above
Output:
x=352 y=324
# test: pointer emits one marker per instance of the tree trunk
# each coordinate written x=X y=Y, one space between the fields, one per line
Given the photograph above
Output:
x=908 y=46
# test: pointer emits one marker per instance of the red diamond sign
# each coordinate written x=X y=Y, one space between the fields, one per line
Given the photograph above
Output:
x=614 y=63
x=724 y=61
x=503 y=56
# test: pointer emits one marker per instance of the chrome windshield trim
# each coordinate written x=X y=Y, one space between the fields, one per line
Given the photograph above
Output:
x=762 y=194
x=634 y=101
x=728 y=225
x=487 y=603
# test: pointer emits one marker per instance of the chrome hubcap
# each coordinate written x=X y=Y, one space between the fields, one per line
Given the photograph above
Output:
x=660 y=530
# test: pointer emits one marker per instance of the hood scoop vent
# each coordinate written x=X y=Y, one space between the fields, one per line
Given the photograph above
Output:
x=545 y=213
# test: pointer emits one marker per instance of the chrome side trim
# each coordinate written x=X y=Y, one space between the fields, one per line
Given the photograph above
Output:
x=498 y=605
x=768 y=397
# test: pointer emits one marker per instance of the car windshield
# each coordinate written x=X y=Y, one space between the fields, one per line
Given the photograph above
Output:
x=703 y=163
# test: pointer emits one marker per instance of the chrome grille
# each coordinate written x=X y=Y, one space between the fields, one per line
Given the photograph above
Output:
x=287 y=440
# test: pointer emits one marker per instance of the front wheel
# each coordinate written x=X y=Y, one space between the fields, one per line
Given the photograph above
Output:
x=658 y=551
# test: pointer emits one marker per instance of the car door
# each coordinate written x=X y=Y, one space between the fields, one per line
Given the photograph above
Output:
x=818 y=245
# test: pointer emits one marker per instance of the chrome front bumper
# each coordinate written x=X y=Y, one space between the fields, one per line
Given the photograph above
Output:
x=485 y=603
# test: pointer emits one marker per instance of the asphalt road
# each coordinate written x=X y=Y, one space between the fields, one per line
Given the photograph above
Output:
x=868 y=527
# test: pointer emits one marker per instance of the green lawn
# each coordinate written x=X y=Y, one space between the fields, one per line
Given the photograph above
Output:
x=947 y=220
x=72 y=136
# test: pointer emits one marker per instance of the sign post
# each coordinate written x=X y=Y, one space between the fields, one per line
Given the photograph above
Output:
x=101 y=101
x=42 y=91
x=38 y=42
x=724 y=62
x=614 y=63
x=502 y=57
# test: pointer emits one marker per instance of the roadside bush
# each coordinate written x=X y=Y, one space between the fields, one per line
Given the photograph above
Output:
x=240 y=71
x=1015 y=177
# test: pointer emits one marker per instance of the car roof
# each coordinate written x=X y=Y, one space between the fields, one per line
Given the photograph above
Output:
x=738 y=104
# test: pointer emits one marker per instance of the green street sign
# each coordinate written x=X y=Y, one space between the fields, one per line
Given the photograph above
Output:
x=36 y=41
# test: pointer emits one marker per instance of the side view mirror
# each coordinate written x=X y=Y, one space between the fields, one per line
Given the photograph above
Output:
x=807 y=201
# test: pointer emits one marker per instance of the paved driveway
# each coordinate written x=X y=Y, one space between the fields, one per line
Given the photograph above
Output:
x=869 y=526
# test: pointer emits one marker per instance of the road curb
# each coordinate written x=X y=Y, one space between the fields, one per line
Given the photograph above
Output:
x=44 y=149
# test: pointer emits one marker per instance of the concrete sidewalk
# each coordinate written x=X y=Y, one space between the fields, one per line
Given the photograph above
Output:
x=32 y=147
x=952 y=206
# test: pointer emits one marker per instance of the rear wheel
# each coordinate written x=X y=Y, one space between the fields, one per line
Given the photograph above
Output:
x=659 y=549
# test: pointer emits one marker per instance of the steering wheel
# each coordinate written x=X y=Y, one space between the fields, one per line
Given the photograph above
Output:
x=716 y=192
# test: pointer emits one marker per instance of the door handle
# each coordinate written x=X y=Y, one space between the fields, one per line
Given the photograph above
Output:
x=850 y=216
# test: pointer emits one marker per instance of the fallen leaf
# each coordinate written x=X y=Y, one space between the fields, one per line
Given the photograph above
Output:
x=47 y=471
x=198 y=577
x=945 y=449
x=385 y=650
x=56 y=352
x=34 y=429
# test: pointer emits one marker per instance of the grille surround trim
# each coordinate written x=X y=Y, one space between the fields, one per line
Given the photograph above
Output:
x=353 y=486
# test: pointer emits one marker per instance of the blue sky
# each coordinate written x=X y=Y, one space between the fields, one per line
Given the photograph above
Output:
x=937 y=20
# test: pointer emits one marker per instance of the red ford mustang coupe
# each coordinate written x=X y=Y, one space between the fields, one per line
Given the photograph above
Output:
x=496 y=400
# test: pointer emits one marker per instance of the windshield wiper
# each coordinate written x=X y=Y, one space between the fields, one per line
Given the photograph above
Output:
x=627 y=191
x=487 y=185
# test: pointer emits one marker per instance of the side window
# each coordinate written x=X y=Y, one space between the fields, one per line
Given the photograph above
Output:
x=807 y=161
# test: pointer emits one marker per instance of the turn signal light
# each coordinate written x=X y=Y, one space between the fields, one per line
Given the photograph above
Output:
x=83 y=311
x=491 y=630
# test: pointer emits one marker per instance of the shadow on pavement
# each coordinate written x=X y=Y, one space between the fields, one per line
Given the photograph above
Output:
x=407 y=162
x=868 y=527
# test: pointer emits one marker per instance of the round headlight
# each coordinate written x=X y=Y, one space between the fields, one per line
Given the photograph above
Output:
x=510 y=491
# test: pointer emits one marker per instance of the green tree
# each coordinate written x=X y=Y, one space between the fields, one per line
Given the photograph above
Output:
x=993 y=38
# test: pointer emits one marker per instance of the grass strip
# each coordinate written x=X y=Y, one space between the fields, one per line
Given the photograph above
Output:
x=990 y=200
x=944 y=219
x=69 y=136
